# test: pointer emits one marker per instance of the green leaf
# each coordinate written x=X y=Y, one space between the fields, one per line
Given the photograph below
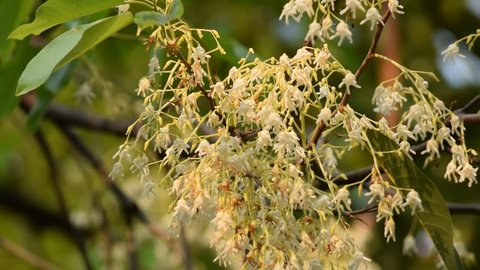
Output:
x=146 y=19
x=13 y=13
x=10 y=73
x=435 y=218
x=55 y=12
x=55 y=84
x=67 y=47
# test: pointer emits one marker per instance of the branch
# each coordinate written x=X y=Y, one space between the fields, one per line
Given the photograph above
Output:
x=130 y=208
x=76 y=235
x=464 y=208
x=25 y=255
x=317 y=132
x=68 y=116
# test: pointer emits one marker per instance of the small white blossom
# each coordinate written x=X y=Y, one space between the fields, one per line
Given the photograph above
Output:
x=324 y=115
x=409 y=245
x=352 y=6
x=343 y=196
x=314 y=32
x=263 y=140
x=143 y=86
x=358 y=260
x=413 y=200
x=84 y=93
x=451 y=171
x=326 y=29
x=342 y=32
x=376 y=191
x=468 y=173
x=451 y=52
x=373 y=16
x=389 y=232
x=348 y=81
x=395 y=7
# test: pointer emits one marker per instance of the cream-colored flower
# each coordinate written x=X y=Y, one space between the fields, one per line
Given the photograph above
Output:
x=348 y=81
x=373 y=16
x=342 y=31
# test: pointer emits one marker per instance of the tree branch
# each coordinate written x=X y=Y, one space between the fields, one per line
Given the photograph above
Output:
x=71 y=117
x=317 y=132
x=27 y=256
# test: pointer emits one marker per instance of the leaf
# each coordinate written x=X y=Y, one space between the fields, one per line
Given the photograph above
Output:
x=55 y=12
x=55 y=84
x=9 y=74
x=146 y=19
x=435 y=218
x=13 y=13
x=67 y=47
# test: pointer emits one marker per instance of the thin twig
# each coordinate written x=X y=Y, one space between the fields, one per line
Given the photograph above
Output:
x=129 y=207
x=25 y=255
x=317 y=132
x=78 y=238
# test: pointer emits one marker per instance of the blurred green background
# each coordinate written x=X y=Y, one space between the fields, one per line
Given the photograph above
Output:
x=28 y=202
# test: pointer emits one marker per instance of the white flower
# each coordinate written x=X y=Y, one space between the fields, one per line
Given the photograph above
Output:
x=348 y=81
x=451 y=171
x=343 y=196
x=326 y=26
x=324 y=115
x=342 y=32
x=199 y=54
x=357 y=260
x=432 y=148
x=402 y=133
x=314 y=32
x=389 y=232
x=218 y=90
x=321 y=59
x=289 y=10
x=456 y=124
x=286 y=142
x=413 y=200
x=182 y=210
x=409 y=245
x=263 y=140
x=394 y=7
x=373 y=16
x=84 y=93
x=143 y=86
x=331 y=2
x=352 y=6
x=305 y=6
x=245 y=110
x=451 y=52
x=213 y=120
x=468 y=173
x=376 y=191
x=204 y=148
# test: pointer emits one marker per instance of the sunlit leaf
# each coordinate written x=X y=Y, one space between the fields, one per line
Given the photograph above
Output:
x=67 y=47
x=54 y=12
x=435 y=218
x=146 y=19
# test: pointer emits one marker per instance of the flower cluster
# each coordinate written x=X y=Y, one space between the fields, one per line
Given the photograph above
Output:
x=235 y=150
x=324 y=17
